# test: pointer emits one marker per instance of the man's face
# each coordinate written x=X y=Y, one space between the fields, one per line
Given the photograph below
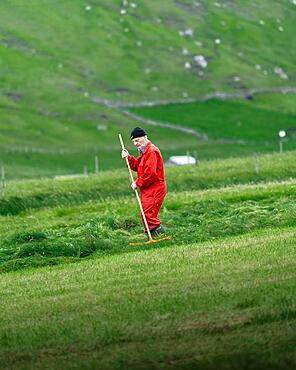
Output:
x=140 y=141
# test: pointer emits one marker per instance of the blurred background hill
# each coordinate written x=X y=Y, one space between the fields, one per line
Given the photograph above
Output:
x=212 y=77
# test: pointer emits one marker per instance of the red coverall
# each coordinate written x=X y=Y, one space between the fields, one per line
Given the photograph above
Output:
x=151 y=181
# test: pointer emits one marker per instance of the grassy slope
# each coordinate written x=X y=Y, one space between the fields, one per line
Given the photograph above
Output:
x=238 y=120
x=220 y=294
x=87 y=42
x=225 y=304
x=253 y=123
x=49 y=60
x=49 y=222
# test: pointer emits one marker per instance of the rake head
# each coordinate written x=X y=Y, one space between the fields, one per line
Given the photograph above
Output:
x=151 y=241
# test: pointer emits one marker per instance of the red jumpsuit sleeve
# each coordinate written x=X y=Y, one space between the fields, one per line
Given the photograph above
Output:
x=133 y=162
x=148 y=175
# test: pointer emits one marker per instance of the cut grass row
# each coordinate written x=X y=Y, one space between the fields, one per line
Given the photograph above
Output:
x=217 y=304
x=94 y=229
x=21 y=196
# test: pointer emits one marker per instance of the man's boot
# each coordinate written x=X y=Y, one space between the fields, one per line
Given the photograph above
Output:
x=157 y=231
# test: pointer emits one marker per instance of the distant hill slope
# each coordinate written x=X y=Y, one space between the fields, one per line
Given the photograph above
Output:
x=56 y=57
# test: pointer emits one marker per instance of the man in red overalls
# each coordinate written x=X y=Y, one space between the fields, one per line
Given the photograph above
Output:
x=151 y=178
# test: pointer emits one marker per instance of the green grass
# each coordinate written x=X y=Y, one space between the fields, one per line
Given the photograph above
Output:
x=55 y=57
x=74 y=294
x=238 y=120
x=223 y=304
x=51 y=221
x=219 y=294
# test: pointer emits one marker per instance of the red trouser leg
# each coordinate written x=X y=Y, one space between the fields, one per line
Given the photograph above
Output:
x=152 y=199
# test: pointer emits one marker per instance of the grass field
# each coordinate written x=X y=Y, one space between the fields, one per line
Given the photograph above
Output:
x=222 y=304
x=74 y=294
x=55 y=58
x=238 y=120
x=220 y=294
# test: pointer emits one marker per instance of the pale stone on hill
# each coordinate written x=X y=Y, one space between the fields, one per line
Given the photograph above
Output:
x=201 y=61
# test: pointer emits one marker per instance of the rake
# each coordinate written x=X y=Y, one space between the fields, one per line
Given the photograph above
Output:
x=150 y=239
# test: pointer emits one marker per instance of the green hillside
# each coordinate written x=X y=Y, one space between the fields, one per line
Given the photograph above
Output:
x=220 y=294
x=238 y=120
x=55 y=221
x=211 y=78
x=57 y=58
x=225 y=304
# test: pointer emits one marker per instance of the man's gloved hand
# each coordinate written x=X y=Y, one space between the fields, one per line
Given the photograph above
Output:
x=134 y=185
x=124 y=153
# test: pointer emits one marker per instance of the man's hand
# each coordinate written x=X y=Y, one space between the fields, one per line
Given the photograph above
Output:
x=134 y=185
x=124 y=153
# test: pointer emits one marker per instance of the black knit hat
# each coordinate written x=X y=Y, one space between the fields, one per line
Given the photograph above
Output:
x=137 y=132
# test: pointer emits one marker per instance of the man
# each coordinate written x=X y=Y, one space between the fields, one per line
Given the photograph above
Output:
x=151 y=178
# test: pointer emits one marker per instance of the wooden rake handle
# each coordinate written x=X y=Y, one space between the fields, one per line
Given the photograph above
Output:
x=137 y=195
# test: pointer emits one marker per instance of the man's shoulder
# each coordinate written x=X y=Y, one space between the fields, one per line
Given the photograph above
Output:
x=153 y=148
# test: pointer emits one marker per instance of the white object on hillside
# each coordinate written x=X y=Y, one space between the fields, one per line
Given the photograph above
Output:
x=282 y=133
x=218 y=41
x=187 y=65
x=68 y=177
x=185 y=51
x=88 y=7
x=200 y=60
x=180 y=160
x=186 y=33
x=279 y=71
x=294 y=2
x=101 y=127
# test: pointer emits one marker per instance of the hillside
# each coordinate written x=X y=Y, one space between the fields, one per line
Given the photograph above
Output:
x=68 y=70
x=44 y=222
x=220 y=294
